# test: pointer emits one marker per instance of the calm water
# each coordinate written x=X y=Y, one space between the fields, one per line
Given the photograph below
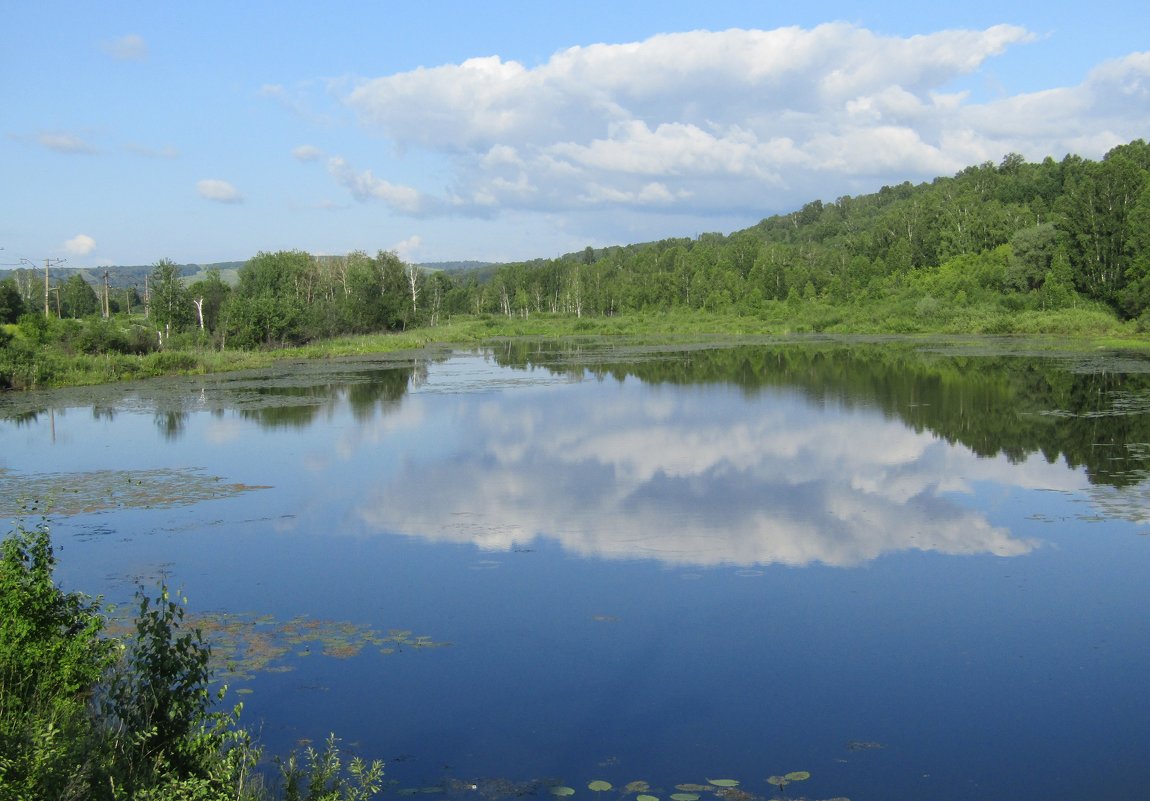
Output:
x=915 y=572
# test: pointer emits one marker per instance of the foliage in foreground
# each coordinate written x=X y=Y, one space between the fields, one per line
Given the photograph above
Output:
x=84 y=716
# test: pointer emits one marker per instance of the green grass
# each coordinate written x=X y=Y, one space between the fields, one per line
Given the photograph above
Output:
x=1085 y=327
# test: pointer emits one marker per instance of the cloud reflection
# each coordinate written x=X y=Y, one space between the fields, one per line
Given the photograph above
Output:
x=695 y=477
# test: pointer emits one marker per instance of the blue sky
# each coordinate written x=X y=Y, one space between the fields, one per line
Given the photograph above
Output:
x=209 y=131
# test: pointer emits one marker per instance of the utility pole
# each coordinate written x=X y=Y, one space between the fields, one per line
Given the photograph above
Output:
x=107 y=297
x=47 y=283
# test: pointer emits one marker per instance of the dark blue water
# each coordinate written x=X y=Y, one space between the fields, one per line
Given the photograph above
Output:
x=648 y=577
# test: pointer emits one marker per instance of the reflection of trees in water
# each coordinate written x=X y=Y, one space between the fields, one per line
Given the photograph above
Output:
x=171 y=424
x=367 y=392
x=1093 y=413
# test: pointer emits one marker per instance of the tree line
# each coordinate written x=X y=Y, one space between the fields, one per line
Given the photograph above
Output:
x=1027 y=235
x=1013 y=235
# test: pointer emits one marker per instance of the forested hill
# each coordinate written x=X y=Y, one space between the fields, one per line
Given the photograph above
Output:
x=119 y=276
x=1036 y=235
x=977 y=252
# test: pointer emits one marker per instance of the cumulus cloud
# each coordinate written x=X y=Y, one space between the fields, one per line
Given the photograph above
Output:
x=729 y=121
x=219 y=191
x=408 y=247
x=80 y=245
x=363 y=185
x=127 y=48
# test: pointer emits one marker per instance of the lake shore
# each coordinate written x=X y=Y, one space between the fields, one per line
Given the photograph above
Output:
x=1078 y=329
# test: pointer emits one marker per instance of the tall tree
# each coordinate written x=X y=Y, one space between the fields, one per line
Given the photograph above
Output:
x=170 y=306
x=77 y=297
x=1094 y=219
x=11 y=304
x=207 y=296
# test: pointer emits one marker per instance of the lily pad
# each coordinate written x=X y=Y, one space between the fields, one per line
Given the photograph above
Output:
x=646 y=798
x=599 y=785
x=692 y=788
x=560 y=791
x=684 y=797
x=778 y=781
x=637 y=787
x=724 y=782
x=797 y=776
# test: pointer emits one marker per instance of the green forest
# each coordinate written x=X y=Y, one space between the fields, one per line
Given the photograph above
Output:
x=1060 y=247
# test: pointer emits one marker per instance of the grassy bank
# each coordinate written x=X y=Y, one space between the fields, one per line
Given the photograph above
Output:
x=1086 y=326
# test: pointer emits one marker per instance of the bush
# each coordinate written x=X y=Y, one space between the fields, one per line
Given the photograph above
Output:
x=51 y=661
x=101 y=336
x=85 y=717
x=171 y=361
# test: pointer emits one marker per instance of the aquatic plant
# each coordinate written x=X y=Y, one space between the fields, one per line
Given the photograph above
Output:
x=782 y=781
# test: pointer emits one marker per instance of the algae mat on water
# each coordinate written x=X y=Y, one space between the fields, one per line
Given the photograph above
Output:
x=244 y=644
x=101 y=490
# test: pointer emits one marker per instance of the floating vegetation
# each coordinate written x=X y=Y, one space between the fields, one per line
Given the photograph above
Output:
x=863 y=745
x=495 y=789
x=101 y=490
x=735 y=794
x=244 y=644
x=787 y=778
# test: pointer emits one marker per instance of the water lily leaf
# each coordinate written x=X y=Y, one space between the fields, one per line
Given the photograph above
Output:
x=646 y=798
x=684 y=797
x=797 y=776
x=724 y=782
x=777 y=781
x=561 y=791
x=599 y=785
x=692 y=788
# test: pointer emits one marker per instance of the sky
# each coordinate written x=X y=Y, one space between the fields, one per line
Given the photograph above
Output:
x=500 y=131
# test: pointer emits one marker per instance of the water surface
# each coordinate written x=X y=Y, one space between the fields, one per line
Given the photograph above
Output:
x=913 y=570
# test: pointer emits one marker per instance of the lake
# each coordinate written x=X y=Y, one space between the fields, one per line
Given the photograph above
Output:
x=911 y=569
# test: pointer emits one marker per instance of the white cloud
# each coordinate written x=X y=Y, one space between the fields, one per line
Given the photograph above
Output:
x=80 y=245
x=64 y=142
x=307 y=153
x=408 y=247
x=219 y=191
x=365 y=186
x=729 y=122
x=127 y=48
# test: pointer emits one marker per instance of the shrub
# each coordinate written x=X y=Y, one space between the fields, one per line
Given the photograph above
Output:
x=86 y=717
x=51 y=661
